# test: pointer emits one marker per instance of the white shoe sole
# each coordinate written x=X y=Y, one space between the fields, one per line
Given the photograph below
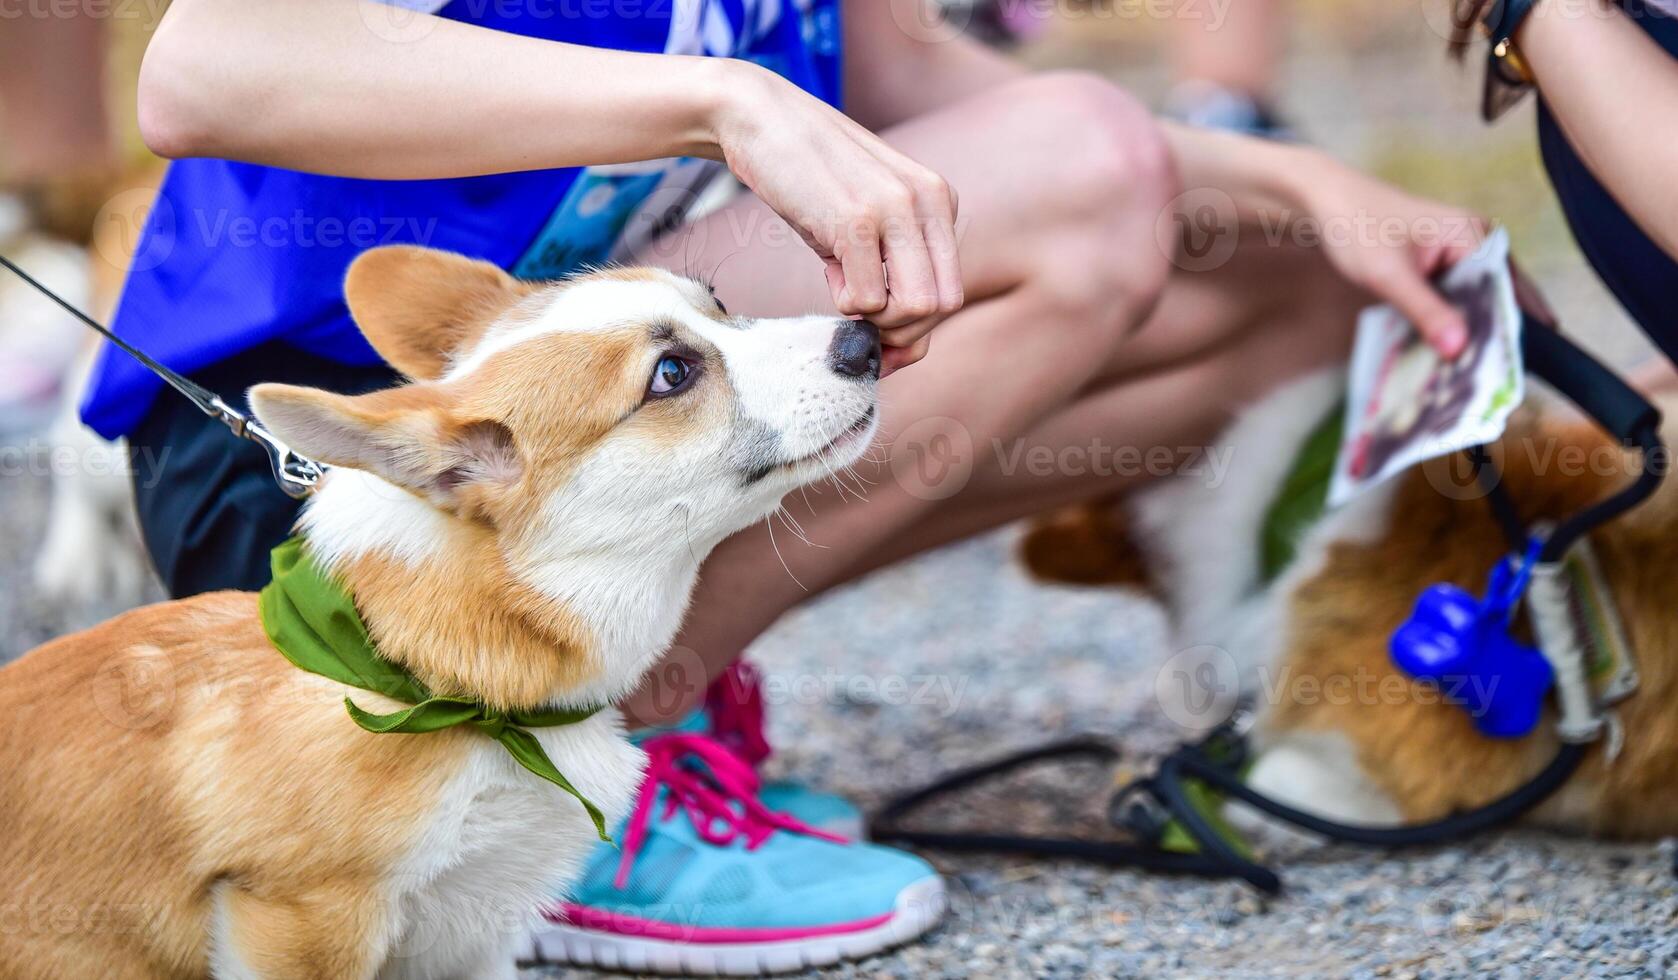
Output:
x=918 y=908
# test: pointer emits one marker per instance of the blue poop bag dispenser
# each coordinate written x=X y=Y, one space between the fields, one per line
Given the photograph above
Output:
x=1462 y=644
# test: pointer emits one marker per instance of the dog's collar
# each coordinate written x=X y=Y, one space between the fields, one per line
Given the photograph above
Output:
x=313 y=622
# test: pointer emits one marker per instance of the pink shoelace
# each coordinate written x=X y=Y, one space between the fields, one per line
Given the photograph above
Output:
x=714 y=787
x=735 y=704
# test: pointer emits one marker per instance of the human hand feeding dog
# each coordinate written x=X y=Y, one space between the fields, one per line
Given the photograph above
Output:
x=883 y=223
x=519 y=526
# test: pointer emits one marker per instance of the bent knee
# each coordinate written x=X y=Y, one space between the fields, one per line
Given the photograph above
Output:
x=1118 y=149
x=1107 y=177
x=1100 y=145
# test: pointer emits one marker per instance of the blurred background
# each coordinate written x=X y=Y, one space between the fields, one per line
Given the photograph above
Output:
x=988 y=660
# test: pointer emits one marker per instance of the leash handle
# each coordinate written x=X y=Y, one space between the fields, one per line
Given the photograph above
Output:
x=1614 y=405
x=1586 y=382
x=297 y=475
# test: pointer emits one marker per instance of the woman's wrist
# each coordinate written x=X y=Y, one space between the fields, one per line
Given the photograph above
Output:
x=730 y=96
x=698 y=87
x=1289 y=180
x=1262 y=177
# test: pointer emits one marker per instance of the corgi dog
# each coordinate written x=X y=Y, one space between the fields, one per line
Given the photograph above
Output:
x=1339 y=730
x=521 y=524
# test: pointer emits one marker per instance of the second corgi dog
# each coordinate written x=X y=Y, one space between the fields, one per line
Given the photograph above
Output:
x=1340 y=730
x=521 y=525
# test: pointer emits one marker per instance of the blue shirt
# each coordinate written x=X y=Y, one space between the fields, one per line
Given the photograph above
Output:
x=1641 y=276
x=235 y=255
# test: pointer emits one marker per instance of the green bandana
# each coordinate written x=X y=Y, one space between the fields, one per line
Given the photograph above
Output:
x=313 y=622
x=1303 y=497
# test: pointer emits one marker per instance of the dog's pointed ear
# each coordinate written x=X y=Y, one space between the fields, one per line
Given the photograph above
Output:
x=406 y=435
x=421 y=307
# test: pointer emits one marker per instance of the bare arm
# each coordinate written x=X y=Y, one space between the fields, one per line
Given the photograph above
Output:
x=320 y=85
x=351 y=88
x=1615 y=93
x=1377 y=236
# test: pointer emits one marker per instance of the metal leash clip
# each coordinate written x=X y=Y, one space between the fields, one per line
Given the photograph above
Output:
x=296 y=475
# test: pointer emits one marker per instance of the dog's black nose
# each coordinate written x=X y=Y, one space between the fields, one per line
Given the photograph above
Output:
x=856 y=349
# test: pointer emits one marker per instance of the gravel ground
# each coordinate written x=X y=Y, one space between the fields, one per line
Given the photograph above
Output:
x=956 y=657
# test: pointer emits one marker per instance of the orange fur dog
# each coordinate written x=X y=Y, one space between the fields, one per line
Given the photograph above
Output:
x=522 y=525
x=1340 y=731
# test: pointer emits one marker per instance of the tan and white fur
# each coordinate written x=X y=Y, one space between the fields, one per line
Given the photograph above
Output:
x=523 y=523
x=1340 y=731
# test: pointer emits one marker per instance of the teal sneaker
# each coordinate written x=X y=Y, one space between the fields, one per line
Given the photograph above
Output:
x=823 y=811
x=711 y=881
x=734 y=715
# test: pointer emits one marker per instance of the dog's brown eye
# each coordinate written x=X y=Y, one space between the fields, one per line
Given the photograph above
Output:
x=670 y=374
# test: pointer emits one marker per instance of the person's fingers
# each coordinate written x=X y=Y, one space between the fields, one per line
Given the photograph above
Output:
x=1472 y=229
x=911 y=289
x=835 y=274
x=1440 y=324
x=1459 y=239
x=893 y=359
x=938 y=219
x=935 y=206
x=862 y=281
x=908 y=334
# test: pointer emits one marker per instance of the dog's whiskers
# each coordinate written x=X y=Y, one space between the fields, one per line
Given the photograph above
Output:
x=782 y=558
x=833 y=477
x=793 y=524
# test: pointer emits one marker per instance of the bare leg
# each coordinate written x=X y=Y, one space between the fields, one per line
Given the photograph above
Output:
x=1238 y=51
x=1062 y=265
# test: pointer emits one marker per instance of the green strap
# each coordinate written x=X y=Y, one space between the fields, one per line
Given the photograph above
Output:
x=313 y=622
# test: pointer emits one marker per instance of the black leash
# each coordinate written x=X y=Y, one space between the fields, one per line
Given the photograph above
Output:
x=888 y=823
x=1147 y=807
x=296 y=475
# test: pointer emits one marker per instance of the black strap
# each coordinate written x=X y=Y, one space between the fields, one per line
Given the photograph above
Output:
x=887 y=824
x=1616 y=406
x=1503 y=85
x=1217 y=857
x=1503 y=508
x=296 y=475
x=204 y=398
x=1586 y=382
x=1465 y=824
